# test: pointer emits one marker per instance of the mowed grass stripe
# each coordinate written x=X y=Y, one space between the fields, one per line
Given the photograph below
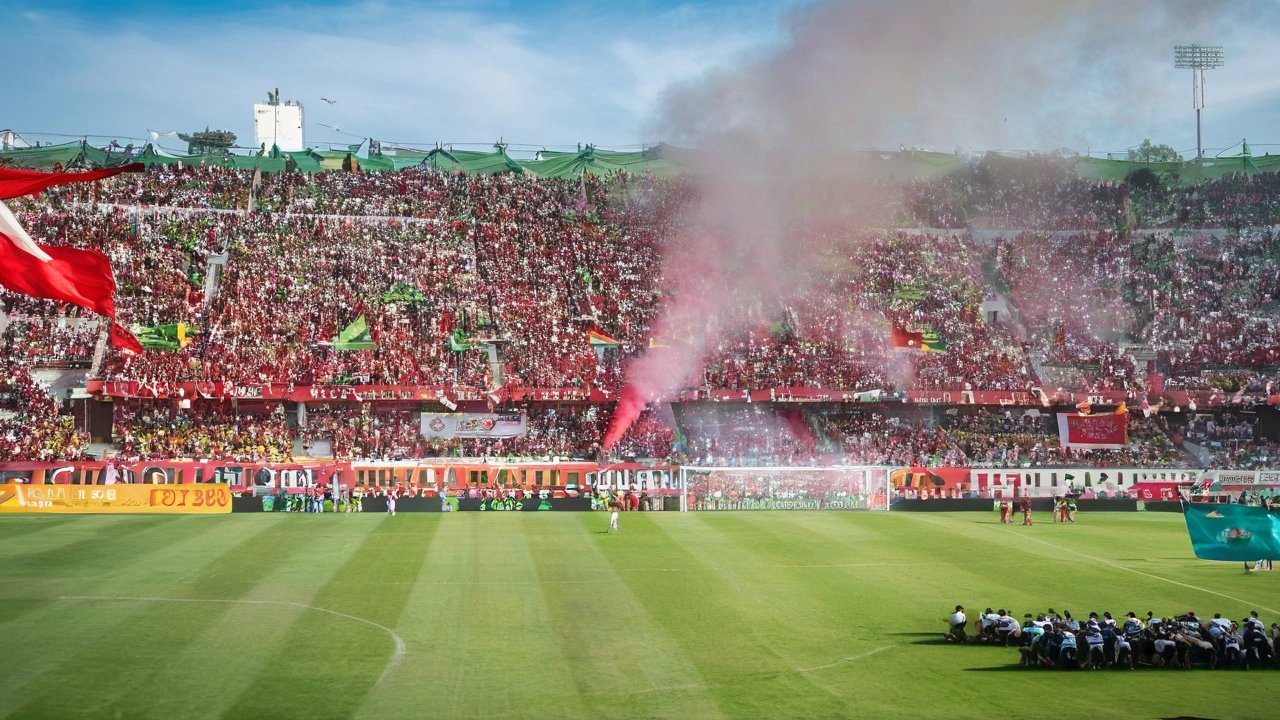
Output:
x=237 y=651
x=480 y=643
x=511 y=614
x=621 y=660
x=329 y=663
x=855 y=610
x=715 y=620
x=780 y=566
x=92 y=545
x=1104 y=586
x=132 y=656
x=31 y=530
x=828 y=603
x=46 y=632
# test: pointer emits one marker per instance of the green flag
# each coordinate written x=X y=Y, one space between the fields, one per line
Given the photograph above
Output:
x=1221 y=531
x=165 y=337
x=404 y=293
x=355 y=337
x=933 y=342
x=459 y=341
x=153 y=342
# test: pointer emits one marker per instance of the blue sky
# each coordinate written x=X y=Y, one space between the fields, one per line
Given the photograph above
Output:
x=537 y=73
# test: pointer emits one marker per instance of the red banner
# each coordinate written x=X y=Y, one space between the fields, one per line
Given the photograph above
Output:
x=1093 y=432
x=1166 y=491
x=449 y=395
x=341 y=393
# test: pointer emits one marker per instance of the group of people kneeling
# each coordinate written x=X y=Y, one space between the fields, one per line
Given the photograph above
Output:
x=1053 y=640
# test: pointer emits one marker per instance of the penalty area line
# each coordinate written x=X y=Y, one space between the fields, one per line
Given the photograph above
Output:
x=842 y=661
x=1139 y=572
x=396 y=656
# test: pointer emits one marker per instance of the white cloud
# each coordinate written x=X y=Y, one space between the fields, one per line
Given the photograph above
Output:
x=398 y=73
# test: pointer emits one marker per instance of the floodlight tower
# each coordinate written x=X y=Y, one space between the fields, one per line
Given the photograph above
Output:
x=1199 y=58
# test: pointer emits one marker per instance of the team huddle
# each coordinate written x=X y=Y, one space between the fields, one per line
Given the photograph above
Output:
x=1184 y=641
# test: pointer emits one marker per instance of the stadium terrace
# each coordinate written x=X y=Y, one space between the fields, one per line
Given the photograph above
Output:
x=335 y=314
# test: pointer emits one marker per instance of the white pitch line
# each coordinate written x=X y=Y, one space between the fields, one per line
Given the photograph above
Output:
x=665 y=688
x=846 y=565
x=1139 y=572
x=396 y=657
x=842 y=661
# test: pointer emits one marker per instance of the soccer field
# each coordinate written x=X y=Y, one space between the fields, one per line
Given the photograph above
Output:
x=733 y=614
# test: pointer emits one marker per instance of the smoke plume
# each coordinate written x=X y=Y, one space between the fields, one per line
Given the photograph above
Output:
x=775 y=135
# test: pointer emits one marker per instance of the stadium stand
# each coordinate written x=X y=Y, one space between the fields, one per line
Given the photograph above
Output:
x=490 y=287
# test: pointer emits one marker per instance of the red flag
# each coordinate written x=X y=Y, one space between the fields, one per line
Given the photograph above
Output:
x=124 y=340
x=16 y=183
x=903 y=339
x=80 y=277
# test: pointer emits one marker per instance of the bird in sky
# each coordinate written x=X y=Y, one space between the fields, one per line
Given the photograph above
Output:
x=328 y=100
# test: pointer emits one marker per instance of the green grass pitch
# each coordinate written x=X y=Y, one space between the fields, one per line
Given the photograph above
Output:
x=745 y=615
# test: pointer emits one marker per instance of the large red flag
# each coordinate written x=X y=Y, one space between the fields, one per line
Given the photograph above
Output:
x=80 y=277
x=124 y=340
x=902 y=338
x=16 y=183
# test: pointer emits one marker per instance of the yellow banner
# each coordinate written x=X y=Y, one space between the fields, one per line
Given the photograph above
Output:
x=194 y=498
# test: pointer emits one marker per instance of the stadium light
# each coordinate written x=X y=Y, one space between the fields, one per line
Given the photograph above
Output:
x=1198 y=58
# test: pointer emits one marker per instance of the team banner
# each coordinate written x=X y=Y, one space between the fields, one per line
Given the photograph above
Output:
x=1221 y=531
x=474 y=425
x=1093 y=432
x=173 y=499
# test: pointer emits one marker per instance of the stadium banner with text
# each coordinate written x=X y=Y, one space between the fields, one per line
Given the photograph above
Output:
x=474 y=425
x=1230 y=532
x=1093 y=432
x=168 y=499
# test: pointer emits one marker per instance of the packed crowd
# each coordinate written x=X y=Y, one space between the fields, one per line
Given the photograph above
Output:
x=444 y=266
x=535 y=264
x=1227 y=441
x=31 y=425
x=154 y=433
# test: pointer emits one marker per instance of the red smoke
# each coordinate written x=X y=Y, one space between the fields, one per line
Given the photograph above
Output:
x=779 y=185
x=630 y=405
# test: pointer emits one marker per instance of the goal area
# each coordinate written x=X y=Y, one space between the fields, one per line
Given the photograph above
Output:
x=861 y=487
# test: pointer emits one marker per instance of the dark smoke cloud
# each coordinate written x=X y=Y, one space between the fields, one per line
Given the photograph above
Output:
x=773 y=133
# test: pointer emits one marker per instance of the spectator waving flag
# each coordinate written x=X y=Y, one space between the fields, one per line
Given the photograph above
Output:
x=459 y=342
x=79 y=277
x=16 y=183
x=933 y=342
x=904 y=339
x=10 y=228
x=166 y=337
x=598 y=339
x=355 y=337
x=124 y=340
x=925 y=342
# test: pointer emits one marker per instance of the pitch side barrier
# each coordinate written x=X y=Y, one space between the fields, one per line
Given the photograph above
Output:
x=1122 y=489
x=424 y=485
x=959 y=488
